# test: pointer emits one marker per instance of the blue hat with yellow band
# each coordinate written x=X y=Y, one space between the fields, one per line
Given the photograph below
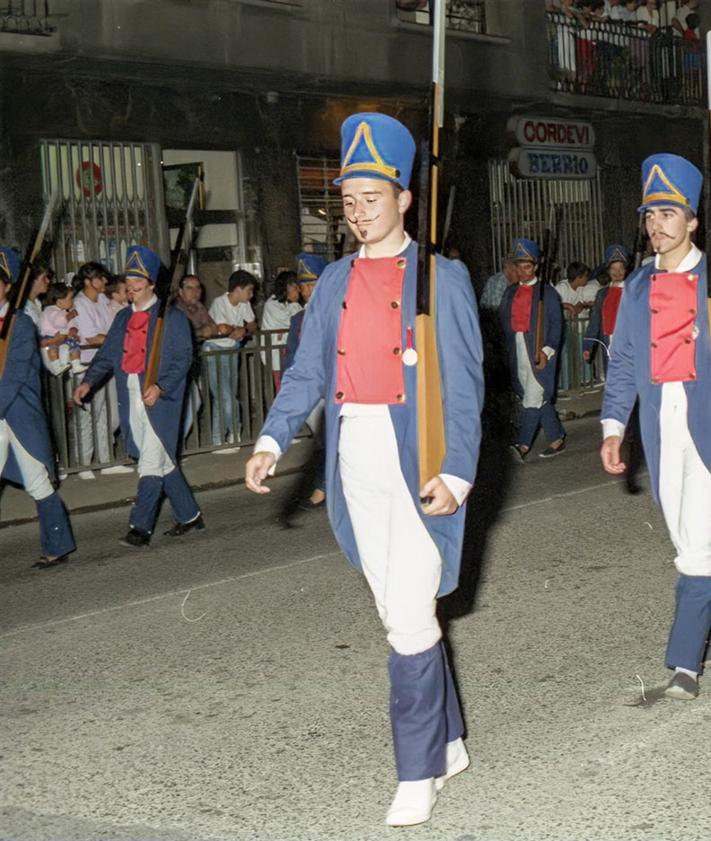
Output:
x=309 y=267
x=616 y=253
x=376 y=146
x=10 y=263
x=525 y=250
x=670 y=180
x=142 y=262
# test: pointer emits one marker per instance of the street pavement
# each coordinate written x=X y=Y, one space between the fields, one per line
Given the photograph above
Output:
x=233 y=684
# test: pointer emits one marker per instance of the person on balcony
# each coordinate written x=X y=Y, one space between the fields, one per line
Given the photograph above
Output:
x=661 y=354
x=534 y=380
x=150 y=414
x=26 y=452
x=358 y=352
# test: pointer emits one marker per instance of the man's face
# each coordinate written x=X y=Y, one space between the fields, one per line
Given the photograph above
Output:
x=668 y=228
x=307 y=290
x=580 y=280
x=241 y=295
x=191 y=290
x=372 y=209
x=510 y=273
x=139 y=290
x=525 y=270
x=617 y=271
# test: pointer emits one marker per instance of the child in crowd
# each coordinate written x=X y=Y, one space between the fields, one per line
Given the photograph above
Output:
x=116 y=292
x=59 y=330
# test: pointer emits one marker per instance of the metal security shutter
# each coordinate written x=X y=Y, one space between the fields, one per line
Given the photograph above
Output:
x=521 y=207
x=112 y=197
x=320 y=206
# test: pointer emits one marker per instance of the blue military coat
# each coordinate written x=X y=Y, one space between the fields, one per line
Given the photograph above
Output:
x=629 y=371
x=21 y=402
x=593 y=333
x=175 y=362
x=313 y=376
x=293 y=339
x=552 y=337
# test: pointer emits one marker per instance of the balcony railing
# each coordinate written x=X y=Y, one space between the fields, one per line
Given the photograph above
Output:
x=26 y=17
x=463 y=15
x=624 y=61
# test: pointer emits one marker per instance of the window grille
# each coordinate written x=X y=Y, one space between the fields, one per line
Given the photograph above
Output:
x=462 y=15
x=26 y=17
x=320 y=206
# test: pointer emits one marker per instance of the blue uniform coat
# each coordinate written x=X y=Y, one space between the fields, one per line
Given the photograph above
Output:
x=629 y=371
x=594 y=329
x=175 y=362
x=293 y=339
x=313 y=376
x=21 y=402
x=552 y=337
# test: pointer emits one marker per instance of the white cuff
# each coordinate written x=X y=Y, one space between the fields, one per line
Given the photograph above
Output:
x=266 y=444
x=549 y=351
x=612 y=427
x=459 y=488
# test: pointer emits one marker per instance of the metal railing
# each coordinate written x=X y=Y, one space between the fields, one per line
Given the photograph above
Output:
x=574 y=374
x=624 y=60
x=26 y=17
x=462 y=15
x=228 y=396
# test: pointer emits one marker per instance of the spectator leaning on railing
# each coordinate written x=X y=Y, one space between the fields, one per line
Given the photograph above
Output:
x=281 y=307
x=577 y=292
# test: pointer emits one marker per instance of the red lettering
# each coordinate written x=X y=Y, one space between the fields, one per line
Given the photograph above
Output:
x=529 y=131
x=541 y=132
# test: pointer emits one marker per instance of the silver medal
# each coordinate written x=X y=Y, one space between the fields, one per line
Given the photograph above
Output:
x=409 y=356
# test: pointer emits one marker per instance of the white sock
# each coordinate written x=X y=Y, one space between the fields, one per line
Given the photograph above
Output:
x=687 y=672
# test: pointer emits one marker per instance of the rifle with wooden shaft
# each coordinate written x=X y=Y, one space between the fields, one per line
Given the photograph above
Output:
x=546 y=268
x=175 y=273
x=17 y=300
x=430 y=413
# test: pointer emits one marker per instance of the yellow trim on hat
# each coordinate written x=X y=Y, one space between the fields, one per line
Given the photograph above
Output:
x=140 y=269
x=305 y=273
x=526 y=254
x=673 y=195
x=378 y=165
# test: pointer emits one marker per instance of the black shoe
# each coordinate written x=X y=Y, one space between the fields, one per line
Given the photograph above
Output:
x=551 y=451
x=46 y=563
x=520 y=452
x=179 y=529
x=307 y=505
x=136 y=537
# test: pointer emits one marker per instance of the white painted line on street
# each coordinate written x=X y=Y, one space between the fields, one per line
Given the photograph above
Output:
x=159 y=596
x=552 y=497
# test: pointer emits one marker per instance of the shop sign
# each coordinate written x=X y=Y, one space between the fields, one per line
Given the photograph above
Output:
x=530 y=162
x=551 y=132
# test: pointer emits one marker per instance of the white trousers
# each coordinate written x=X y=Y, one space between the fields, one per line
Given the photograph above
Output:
x=94 y=416
x=153 y=460
x=532 y=389
x=34 y=474
x=400 y=560
x=684 y=486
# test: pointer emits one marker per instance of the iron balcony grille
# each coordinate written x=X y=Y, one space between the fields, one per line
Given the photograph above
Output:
x=26 y=17
x=462 y=15
x=624 y=61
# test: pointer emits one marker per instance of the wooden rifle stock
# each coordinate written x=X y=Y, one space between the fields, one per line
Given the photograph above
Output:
x=546 y=271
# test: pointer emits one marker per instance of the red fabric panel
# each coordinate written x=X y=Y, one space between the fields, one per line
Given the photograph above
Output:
x=673 y=303
x=610 y=306
x=369 y=348
x=135 y=343
x=521 y=308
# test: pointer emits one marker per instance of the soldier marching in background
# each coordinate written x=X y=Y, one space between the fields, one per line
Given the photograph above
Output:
x=603 y=315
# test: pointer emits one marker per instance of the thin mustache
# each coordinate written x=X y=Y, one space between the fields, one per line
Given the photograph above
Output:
x=354 y=221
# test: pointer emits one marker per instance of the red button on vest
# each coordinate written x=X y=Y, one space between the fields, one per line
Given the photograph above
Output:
x=521 y=309
x=610 y=306
x=367 y=370
x=135 y=343
x=673 y=302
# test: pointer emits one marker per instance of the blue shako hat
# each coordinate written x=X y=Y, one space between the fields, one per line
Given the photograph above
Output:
x=309 y=267
x=376 y=146
x=616 y=253
x=10 y=262
x=142 y=262
x=523 y=250
x=670 y=179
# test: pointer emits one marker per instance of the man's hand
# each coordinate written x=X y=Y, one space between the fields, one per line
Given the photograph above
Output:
x=238 y=333
x=442 y=499
x=80 y=392
x=542 y=361
x=257 y=470
x=151 y=395
x=610 y=455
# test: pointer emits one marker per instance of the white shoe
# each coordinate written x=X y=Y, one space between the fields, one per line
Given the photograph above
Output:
x=227 y=451
x=457 y=761
x=58 y=368
x=61 y=476
x=413 y=803
x=116 y=470
x=86 y=474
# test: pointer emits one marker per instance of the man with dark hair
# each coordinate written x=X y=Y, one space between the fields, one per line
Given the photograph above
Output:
x=150 y=414
x=577 y=292
x=234 y=316
x=189 y=300
x=26 y=454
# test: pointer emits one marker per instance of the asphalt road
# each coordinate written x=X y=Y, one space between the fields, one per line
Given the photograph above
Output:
x=232 y=685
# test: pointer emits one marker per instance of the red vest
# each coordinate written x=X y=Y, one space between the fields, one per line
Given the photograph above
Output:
x=521 y=308
x=673 y=303
x=610 y=306
x=135 y=343
x=369 y=345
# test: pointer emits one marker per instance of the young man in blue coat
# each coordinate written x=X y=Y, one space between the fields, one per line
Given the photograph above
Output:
x=26 y=453
x=534 y=380
x=603 y=315
x=358 y=353
x=661 y=354
x=150 y=416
